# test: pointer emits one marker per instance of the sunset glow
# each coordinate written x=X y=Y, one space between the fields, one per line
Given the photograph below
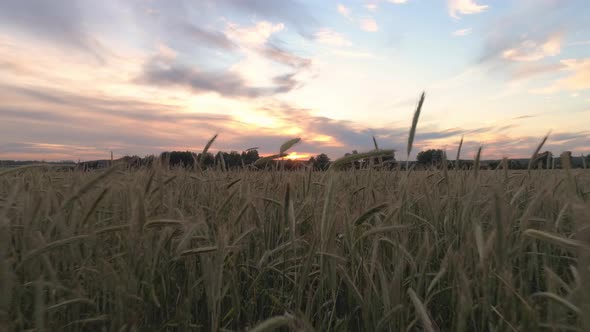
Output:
x=297 y=156
x=79 y=79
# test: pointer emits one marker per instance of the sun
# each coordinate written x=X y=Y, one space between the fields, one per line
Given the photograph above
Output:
x=298 y=156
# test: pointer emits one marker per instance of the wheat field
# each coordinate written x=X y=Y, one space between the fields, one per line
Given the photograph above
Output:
x=159 y=249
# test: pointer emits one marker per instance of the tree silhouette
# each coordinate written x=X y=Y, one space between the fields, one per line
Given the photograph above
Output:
x=250 y=156
x=430 y=157
x=178 y=158
x=320 y=162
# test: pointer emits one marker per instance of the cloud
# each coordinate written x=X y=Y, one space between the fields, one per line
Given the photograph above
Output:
x=530 y=50
x=510 y=37
x=577 y=79
x=369 y=25
x=54 y=117
x=528 y=70
x=461 y=32
x=288 y=11
x=276 y=54
x=209 y=38
x=254 y=69
x=127 y=126
x=257 y=38
x=343 y=10
x=117 y=109
x=464 y=7
x=398 y=1
x=60 y=21
x=255 y=35
x=332 y=38
x=166 y=73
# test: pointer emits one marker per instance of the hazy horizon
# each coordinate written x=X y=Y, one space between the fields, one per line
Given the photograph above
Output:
x=79 y=79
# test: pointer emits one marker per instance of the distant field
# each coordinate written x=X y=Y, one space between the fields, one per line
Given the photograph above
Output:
x=360 y=250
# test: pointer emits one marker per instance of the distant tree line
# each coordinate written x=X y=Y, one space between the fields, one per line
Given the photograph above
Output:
x=231 y=160
x=235 y=160
x=431 y=158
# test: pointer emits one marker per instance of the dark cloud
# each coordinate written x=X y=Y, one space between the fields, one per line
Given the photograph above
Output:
x=225 y=83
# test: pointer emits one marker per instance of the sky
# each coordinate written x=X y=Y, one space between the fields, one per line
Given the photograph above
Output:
x=79 y=79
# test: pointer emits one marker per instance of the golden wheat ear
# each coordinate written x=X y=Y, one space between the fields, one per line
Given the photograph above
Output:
x=339 y=163
x=414 y=126
x=205 y=150
x=536 y=153
x=289 y=144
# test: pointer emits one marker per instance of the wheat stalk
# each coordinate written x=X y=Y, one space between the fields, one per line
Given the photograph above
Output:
x=414 y=126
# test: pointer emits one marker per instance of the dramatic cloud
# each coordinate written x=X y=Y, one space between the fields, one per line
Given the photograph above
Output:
x=165 y=73
x=369 y=25
x=174 y=72
x=131 y=127
x=461 y=32
x=332 y=38
x=464 y=7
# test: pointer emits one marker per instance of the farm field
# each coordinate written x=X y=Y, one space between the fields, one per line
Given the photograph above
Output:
x=155 y=249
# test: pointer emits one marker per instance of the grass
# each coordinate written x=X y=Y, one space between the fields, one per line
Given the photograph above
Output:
x=373 y=250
